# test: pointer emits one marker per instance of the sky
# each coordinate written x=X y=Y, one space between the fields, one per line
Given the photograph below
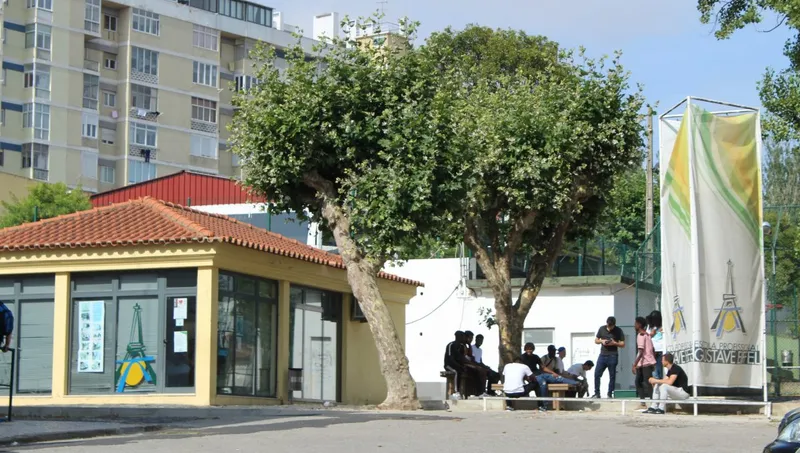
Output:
x=664 y=45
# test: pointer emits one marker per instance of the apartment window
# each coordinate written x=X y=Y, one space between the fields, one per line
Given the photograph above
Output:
x=236 y=161
x=110 y=63
x=107 y=172
x=108 y=136
x=245 y=83
x=91 y=91
x=205 y=74
x=202 y=146
x=42 y=81
x=143 y=135
x=144 y=60
x=39 y=36
x=145 y=21
x=89 y=164
x=89 y=127
x=208 y=5
x=91 y=17
x=139 y=171
x=27 y=76
x=36 y=155
x=143 y=97
x=41 y=4
x=37 y=116
x=109 y=99
x=246 y=11
x=110 y=22
x=205 y=38
x=204 y=110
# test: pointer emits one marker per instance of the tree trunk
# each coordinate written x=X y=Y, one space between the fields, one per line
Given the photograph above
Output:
x=401 y=390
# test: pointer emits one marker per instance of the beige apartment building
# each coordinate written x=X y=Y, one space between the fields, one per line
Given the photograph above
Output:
x=103 y=93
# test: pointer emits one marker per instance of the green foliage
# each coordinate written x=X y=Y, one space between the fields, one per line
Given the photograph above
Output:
x=544 y=131
x=359 y=128
x=623 y=220
x=46 y=200
x=781 y=170
x=779 y=90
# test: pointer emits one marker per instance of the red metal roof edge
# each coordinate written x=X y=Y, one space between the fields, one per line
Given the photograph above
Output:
x=203 y=235
x=163 y=178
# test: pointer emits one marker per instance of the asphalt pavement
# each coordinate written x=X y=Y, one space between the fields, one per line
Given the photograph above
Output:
x=437 y=432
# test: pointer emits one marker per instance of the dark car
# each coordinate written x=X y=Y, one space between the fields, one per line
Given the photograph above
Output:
x=788 y=418
x=788 y=440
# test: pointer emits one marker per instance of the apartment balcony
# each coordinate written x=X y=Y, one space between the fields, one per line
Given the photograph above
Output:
x=40 y=175
x=137 y=76
x=203 y=126
x=144 y=114
x=93 y=66
x=41 y=54
x=111 y=35
x=145 y=152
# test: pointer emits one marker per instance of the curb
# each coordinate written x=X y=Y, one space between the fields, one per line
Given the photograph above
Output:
x=87 y=434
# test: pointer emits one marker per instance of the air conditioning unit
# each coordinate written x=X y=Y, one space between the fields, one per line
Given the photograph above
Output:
x=355 y=311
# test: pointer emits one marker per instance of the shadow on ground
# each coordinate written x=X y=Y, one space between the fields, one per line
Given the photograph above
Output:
x=242 y=426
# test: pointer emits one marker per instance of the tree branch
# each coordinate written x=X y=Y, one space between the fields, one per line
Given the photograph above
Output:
x=518 y=229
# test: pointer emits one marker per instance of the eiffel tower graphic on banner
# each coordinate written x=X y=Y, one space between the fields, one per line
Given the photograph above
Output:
x=678 y=321
x=729 y=317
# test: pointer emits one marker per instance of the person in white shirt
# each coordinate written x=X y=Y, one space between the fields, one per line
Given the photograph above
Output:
x=562 y=352
x=515 y=377
x=577 y=372
x=492 y=376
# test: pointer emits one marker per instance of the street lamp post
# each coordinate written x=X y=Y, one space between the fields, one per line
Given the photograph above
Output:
x=768 y=233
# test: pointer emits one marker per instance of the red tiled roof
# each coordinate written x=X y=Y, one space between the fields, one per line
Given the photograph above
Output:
x=147 y=221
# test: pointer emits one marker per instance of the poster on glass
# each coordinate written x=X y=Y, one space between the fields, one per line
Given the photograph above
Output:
x=91 y=333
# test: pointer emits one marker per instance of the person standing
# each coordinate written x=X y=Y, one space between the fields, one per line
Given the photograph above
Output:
x=515 y=377
x=674 y=386
x=645 y=362
x=611 y=338
x=656 y=330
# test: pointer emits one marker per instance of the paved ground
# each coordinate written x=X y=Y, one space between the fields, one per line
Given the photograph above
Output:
x=42 y=430
x=343 y=432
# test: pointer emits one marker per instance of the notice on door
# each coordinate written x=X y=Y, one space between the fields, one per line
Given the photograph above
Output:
x=180 y=308
x=180 y=341
x=91 y=332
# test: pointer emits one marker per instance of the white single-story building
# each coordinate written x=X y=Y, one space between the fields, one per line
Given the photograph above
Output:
x=568 y=313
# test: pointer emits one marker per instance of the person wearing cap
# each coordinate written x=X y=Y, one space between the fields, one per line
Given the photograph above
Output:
x=561 y=353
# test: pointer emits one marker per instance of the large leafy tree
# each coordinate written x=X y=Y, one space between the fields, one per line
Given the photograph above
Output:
x=622 y=221
x=779 y=89
x=42 y=202
x=353 y=137
x=545 y=134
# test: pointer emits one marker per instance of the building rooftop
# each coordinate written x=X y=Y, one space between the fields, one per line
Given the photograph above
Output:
x=147 y=221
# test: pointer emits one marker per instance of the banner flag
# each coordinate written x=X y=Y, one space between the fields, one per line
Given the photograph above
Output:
x=712 y=189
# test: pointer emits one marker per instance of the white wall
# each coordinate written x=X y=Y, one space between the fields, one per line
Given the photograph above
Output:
x=571 y=312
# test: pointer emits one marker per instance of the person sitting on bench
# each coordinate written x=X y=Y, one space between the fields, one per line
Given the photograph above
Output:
x=477 y=371
x=454 y=358
x=577 y=373
x=492 y=376
x=674 y=386
x=517 y=381
x=549 y=376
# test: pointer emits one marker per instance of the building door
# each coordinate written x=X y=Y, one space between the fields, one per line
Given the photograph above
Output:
x=583 y=348
x=315 y=342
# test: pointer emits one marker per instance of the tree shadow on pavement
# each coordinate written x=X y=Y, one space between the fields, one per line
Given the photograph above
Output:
x=244 y=425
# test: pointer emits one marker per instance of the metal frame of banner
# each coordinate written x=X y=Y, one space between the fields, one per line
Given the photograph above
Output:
x=736 y=109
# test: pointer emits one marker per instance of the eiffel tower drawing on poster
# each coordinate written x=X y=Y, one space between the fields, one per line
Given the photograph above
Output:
x=678 y=321
x=729 y=317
